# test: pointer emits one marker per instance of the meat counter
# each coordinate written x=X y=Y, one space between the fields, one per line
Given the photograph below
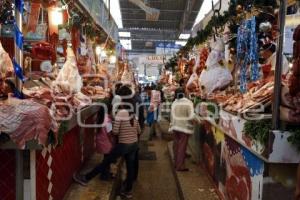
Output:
x=48 y=170
x=240 y=167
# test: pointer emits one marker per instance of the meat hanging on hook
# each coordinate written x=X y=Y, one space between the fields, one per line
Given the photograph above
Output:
x=216 y=15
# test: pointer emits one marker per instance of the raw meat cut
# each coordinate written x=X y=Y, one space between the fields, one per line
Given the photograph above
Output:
x=39 y=94
x=25 y=120
x=80 y=100
x=33 y=16
x=6 y=66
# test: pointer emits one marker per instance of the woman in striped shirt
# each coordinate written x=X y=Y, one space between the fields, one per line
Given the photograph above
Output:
x=127 y=128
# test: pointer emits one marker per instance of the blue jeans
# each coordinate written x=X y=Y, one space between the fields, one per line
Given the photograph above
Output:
x=129 y=152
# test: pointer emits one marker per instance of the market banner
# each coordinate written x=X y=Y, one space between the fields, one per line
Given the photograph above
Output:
x=167 y=48
x=153 y=59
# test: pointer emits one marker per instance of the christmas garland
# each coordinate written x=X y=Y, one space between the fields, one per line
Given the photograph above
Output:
x=232 y=17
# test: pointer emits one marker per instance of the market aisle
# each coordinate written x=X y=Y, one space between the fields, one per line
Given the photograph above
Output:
x=156 y=179
x=96 y=189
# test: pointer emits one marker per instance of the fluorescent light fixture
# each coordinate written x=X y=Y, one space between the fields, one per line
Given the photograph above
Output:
x=115 y=11
x=184 y=36
x=126 y=44
x=124 y=34
x=205 y=8
x=181 y=42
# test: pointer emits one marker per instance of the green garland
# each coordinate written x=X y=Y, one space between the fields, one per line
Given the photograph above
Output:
x=171 y=64
x=229 y=16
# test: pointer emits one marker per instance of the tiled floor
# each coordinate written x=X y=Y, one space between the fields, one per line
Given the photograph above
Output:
x=156 y=179
x=96 y=190
x=194 y=184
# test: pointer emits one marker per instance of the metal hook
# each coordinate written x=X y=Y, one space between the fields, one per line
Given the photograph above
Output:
x=216 y=12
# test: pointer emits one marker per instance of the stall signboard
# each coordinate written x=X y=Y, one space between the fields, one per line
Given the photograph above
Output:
x=152 y=70
x=153 y=59
x=100 y=14
x=163 y=48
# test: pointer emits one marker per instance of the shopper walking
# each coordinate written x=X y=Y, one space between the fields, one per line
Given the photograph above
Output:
x=153 y=111
x=105 y=141
x=127 y=128
x=182 y=126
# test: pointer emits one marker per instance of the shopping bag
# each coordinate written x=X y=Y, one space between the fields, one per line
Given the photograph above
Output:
x=104 y=144
x=150 y=118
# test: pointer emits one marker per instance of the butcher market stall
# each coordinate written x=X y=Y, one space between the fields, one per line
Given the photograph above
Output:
x=53 y=81
x=244 y=89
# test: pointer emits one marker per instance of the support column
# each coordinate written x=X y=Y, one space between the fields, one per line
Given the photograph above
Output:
x=19 y=175
x=278 y=69
x=32 y=175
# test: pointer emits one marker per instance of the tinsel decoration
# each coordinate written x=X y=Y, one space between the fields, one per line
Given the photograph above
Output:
x=242 y=51
x=19 y=41
x=18 y=71
x=247 y=52
x=254 y=51
x=18 y=37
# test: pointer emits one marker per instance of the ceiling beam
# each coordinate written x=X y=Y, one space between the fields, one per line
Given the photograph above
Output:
x=171 y=11
x=155 y=30
x=160 y=20
x=151 y=40
x=141 y=51
x=189 y=6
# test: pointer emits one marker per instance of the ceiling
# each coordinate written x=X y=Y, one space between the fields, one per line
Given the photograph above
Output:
x=176 y=16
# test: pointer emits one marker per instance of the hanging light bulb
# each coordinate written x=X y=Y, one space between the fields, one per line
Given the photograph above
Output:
x=103 y=54
x=98 y=50
x=113 y=59
x=56 y=16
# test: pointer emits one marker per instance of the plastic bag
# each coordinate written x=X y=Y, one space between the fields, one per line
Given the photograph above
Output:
x=150 y=118
x=104 y=143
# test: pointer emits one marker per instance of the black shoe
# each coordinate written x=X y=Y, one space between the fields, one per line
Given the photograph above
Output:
x=127 y=195
x=80 y=179
x=106 y=177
